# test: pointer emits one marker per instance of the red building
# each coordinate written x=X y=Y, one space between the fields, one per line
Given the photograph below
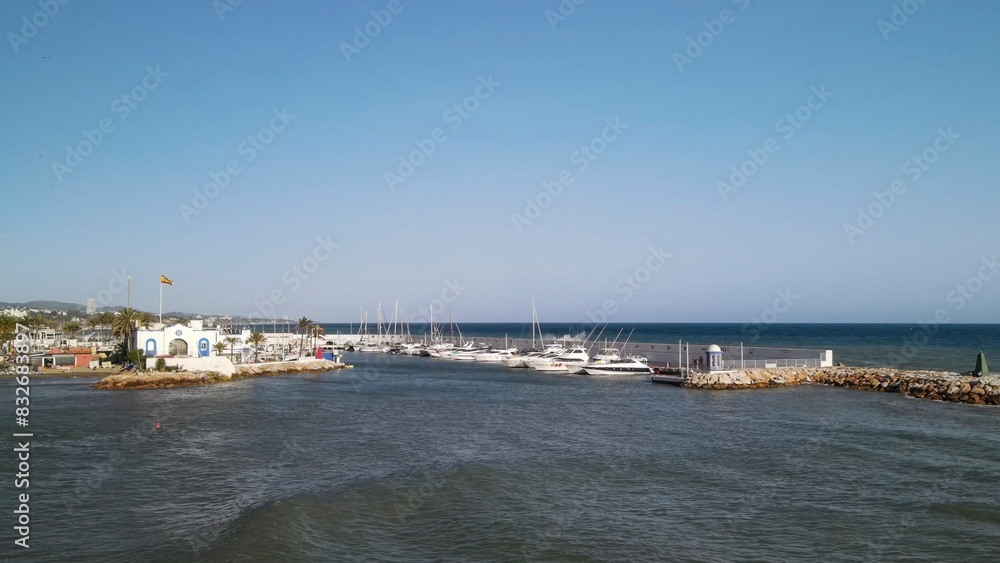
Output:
x=71 y=357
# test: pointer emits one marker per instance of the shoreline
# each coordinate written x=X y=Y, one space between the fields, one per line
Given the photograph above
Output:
x=166 y=380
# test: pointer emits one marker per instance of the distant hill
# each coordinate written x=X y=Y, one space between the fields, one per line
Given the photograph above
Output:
x=54 y=305
x=81 y=308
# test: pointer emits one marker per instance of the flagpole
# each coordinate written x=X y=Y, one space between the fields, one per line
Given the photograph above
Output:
x=161 y=301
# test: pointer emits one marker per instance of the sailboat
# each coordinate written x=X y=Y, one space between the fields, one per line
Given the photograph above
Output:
x=520 y=360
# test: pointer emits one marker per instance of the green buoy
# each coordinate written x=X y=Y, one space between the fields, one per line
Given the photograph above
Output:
x=981 y=369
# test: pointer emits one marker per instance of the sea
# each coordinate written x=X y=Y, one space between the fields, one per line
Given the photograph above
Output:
x=417 y=459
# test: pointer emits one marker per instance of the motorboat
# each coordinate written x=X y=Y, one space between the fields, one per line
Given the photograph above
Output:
x=465 y=353
x=606 y=355
x=494 y=356
x=521 y=360
x=634 y=365
x=574 y=357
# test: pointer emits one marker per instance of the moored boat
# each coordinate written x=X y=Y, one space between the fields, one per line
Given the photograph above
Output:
x=634 y=365
x=576 y=356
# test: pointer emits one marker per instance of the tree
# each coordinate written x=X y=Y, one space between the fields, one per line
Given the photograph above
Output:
x=94 y=322
x=303 y=325
x=256 y=339
x=219 y=347
x=144 y=319
x=71 y=328
x=123 y=326
x=34 y=322
x=8 y=329
x=231 y=340
x=104 y=320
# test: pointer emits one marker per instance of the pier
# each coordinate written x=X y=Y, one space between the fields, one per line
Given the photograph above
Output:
x=676 y=355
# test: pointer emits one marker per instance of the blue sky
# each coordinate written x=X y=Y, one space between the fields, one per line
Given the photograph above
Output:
x=207 y=83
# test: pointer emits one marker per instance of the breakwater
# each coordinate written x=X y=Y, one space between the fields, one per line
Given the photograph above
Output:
x=934 y=385
x=158 y=380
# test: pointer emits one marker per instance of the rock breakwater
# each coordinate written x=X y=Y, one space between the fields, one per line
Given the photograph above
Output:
x=934 y=385
x=157 y=380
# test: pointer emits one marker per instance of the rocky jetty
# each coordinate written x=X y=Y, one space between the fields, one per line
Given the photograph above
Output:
x=746 y=379
x=157 y=380
x=934 y=385
x=245 y=371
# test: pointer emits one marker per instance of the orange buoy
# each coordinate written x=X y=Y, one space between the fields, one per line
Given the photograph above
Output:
x=157 y=424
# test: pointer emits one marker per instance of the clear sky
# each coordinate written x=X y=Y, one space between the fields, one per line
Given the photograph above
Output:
x=315 y=104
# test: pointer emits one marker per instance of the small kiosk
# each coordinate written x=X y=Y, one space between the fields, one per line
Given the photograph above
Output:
x=714 y=358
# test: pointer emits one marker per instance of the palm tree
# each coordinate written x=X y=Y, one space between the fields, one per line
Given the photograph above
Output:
x=144 y=319
x=303 y=325
x=256 y=339
x=231 y=340
x=105 y=319
x=94 y=322
x=34 y=322
x=71 y=328
x=220 y=347
x=8 y=326
x=123 y=326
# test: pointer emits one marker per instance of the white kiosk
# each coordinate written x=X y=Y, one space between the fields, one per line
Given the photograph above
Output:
x=714 y=358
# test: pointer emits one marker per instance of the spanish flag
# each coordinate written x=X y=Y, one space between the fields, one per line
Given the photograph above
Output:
x=166 y=280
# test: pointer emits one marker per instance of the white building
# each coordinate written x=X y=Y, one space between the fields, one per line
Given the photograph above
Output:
x=178 y=340
x=91 y=306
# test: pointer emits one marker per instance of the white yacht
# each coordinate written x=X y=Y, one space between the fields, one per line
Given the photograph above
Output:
x=463 y=353
x=634 y=365
x=521 y=360
x=494 y=356
x=576 y=356
x=605 y=356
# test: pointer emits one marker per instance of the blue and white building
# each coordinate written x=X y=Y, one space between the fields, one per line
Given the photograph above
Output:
x=177 y=340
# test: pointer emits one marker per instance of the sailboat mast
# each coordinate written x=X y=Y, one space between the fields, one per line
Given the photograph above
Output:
x=534 y=319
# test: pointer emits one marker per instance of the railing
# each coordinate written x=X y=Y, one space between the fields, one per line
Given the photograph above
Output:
x=776 y=363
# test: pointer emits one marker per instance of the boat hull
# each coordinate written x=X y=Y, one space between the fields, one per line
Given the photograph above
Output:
x=611 y=370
